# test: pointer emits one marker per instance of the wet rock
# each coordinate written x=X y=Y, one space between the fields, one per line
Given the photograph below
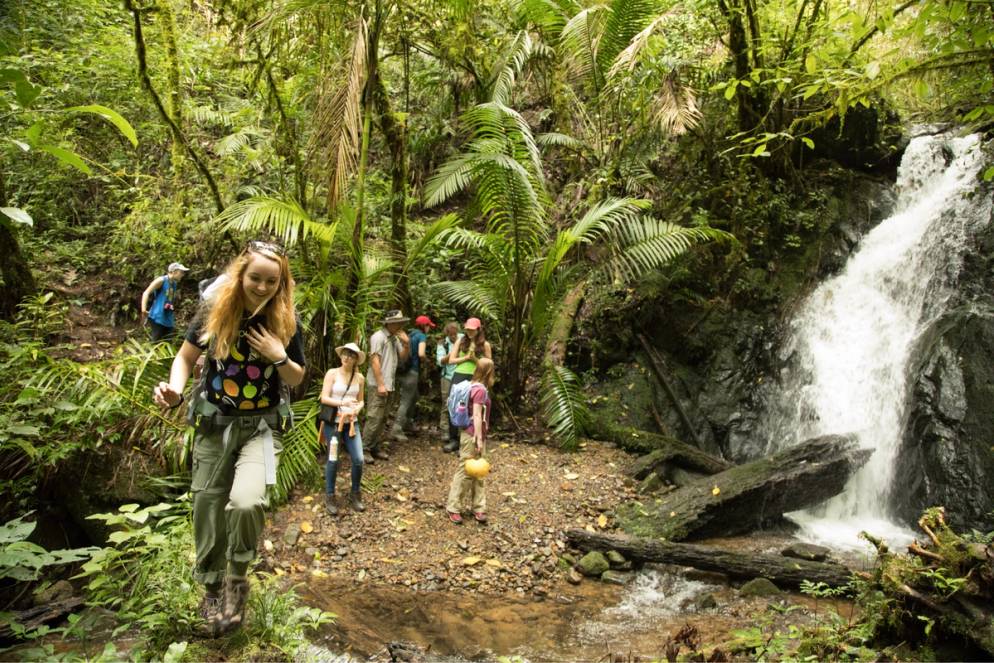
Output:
x=291 y=534
x=615 y=559
x=616 y=577
x=709 y=577
x=342 y=552
x=808 y=551
x=705 y=602
x=574 y=577
x=593 y=564
x=759 y=587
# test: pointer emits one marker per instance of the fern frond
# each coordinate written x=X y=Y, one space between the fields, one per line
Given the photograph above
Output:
x=608 y=214
x=284 y=219
x=563 y=406
x=578 y=41
x=434 y=234
x=553 y=139
x=454 y=176
x=629 y=57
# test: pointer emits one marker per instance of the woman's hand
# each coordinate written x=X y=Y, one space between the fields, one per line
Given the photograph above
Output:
x=265 y=343
x=479 y=444
x=166 y=396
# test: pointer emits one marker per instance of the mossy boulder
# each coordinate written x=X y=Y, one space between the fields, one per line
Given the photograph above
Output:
x=593 y=564
x=759 y=587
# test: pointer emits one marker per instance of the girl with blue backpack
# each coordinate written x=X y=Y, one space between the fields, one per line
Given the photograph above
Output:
x=162 y=290
x=468 y=493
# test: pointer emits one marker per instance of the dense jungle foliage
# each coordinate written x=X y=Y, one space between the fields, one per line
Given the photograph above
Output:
x=502 y=159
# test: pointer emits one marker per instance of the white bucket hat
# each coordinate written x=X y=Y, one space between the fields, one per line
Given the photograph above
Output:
x=354 y=348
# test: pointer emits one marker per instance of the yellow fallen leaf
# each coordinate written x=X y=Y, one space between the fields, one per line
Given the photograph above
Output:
x=306 y=527
x=590 y=528
x=470 y=561
x=403 y=468
x=504 y=445
x=494 y=563
x=510 y=494
x=307 y=499
x=572 y=476
x=279 y=571
x=390 y=560
x=401 y=497
x=716 y=491
x=602 y=521
x=672 y=514
x=318 y=573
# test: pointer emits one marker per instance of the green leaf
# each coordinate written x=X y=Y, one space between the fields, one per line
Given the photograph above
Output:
x=111 y=116
x=26 y=92
x=66 y=157
x=730 y=90
x=760 y=150
x=24 y=429
x=12 y=76
x=128 y=508
x=811 y=63
x=807 y=141
x=33 y=132
x=872 y=69
x=989 y=174
x=18 y=215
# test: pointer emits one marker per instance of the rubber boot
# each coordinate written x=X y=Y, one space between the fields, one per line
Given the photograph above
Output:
x=356 y=500
x=331 y=504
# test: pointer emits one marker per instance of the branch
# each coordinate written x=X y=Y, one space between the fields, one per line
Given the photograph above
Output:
x=872 y=31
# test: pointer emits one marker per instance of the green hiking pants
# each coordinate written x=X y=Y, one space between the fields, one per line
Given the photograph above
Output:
x=230 y=476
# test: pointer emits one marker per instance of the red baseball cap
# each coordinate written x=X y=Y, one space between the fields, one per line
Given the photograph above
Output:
x=472 y=323
x=423 y=320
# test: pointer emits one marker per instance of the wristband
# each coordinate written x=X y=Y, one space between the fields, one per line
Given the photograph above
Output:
x=182 y=398
x=282 y=362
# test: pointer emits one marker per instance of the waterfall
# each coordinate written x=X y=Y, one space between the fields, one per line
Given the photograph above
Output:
x=848 y=349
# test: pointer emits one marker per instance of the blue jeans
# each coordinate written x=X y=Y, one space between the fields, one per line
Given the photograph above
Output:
x=352 y=444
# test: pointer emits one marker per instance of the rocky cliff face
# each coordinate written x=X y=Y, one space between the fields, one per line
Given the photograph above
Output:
x=947 y=456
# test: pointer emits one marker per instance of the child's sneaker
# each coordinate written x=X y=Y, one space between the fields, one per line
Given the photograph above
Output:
x=480 y=517
x=455 y=518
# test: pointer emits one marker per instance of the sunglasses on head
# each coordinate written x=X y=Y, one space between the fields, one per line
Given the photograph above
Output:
x=268 y=247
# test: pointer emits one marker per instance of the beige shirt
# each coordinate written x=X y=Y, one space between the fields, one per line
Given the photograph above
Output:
x=388 y=348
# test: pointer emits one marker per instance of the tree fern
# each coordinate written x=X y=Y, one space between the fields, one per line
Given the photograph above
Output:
x=563 y=406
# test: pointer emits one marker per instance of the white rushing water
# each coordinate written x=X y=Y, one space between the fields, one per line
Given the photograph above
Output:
x=851 y=342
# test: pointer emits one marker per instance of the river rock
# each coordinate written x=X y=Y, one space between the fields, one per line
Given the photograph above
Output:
x=808 y=551
x=574 y=577
x=616 y=577
x=759 y=587
x=291 y=534
x=593 y=564
x=615 y=559
x=705 y=602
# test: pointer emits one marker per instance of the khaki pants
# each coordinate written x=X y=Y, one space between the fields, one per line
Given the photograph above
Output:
x=407 y=386
x=229 y=496
x=443 y=416
x=466 y=490
x=378 y=409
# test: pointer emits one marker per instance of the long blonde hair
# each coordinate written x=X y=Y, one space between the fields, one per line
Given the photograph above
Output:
x=484 y=373
x=225 y=316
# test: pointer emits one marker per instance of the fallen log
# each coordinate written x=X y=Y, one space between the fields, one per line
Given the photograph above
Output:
x=783 y=571
x=746 y=497
x=32 y=618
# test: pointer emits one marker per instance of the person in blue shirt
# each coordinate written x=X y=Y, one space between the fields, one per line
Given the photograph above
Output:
x=163 y=293
x=408 y=378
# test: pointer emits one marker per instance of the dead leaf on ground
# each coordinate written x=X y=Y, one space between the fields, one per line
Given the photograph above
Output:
x=307 y=499
x=306 y=527
x=572 y=476
x=602 y=521
x=470 y=561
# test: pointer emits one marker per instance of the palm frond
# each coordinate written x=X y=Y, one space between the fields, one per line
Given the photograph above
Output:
x=336 y=138
x=649 y=245
x=300 y=449
x=608 y=214
x=625 y=21
x=236 y=142
x=435 y=233
x=474 y=296
x=563 y=406
x=454 y=176
x=553 y=139
x=676 y=108
x=284 y=219
x=629 y=57
x=578 y=42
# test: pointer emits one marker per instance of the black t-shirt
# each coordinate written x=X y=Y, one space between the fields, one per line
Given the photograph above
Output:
x=243 y=381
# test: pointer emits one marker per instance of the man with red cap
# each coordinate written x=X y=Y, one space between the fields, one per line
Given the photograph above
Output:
x=407 y=378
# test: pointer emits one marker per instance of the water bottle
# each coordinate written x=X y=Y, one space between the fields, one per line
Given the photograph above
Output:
x=333 y=448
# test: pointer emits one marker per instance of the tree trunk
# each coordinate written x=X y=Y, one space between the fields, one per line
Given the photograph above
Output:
x=395 y=133
x=784 y=571
x=18 y=282
x=748 y=496
x=562 y=324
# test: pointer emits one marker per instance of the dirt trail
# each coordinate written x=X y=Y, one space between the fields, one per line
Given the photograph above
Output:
x=404 y=538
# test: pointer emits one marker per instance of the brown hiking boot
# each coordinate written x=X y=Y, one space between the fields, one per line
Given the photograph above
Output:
x=232 y=615
x=211 y=603
x=331 y=505
x=355 y=499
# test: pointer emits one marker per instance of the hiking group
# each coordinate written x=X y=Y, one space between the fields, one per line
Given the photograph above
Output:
x=247 y=338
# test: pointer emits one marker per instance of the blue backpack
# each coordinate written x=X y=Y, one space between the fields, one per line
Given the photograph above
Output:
x=458 y=404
